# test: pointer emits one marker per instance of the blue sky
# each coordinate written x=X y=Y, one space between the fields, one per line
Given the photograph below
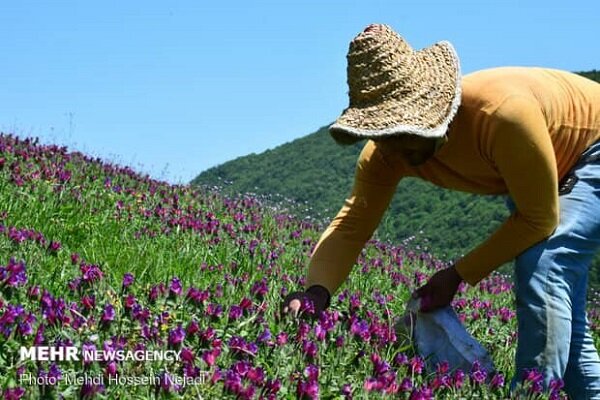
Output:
x=174 y=88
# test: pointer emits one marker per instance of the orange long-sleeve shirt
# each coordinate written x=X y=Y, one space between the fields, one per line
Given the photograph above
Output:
x=518 y=131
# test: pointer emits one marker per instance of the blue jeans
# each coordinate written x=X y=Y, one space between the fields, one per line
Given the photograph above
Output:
x=550 y=289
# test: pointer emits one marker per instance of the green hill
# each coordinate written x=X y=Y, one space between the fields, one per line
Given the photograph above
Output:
x=593 y=75
x=317 y=174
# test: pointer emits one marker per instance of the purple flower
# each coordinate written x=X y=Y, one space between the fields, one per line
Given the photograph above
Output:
x=88 y=302
x=54 y=372
x=232 y=382
x=283 y=291
x=422 y=394
x=265 y=336
x=176 y=336
x=89 y=390
x=198 y=296
x=252 y=246
x=406 y=385
x=91 y=273
x=25 y=326
x=34 y=292
x=497 y=381
x=166 y=383
x=555 y=387
x=187 y=355
x=241 y=368
x=39 y=335
x=360 y=328
x=128 y=280
x=54 y=247
x=309 y=348
x=109 y=346
x=401 y=359
x=75 y=258
x=74 y=284
x=9 y=317
x=311 y=372
x=214 y=310
x=307 y=307
x=130 y=302
x=16 y=235
x=373 y=384
x=14 y=394
x=346 y=390
x=192 y=327
x=218 y=292
x=210 y=357
x=416 y=365
x=506 y=314
x=303 y=331
x=207 y=336
x=281 y=338
x=240 y=347
x=308 y=389
x=245 y=303
x=256 y=376
x=441 y=381
x=52 y=309
x=355 y=301
x=556 y=384
x=15 y=274
x=139 y=313
x=380 y=367
x=320 y=332
x=64 y=176
x=272 y=386
x=534 y=378
x=235 y=313
x=108 y=314
x=111 y=369
x=442 y=367
x=155 y=292
x=260 y=289
x=175 y=287
x=458 y=378
x=478 y=376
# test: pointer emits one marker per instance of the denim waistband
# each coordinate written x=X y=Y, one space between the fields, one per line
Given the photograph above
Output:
x=591 y=154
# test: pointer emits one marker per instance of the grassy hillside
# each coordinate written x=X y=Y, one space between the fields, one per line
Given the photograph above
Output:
x=98 y=257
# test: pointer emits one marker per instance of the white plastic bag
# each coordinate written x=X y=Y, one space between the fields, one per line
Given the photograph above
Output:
x=440 y=336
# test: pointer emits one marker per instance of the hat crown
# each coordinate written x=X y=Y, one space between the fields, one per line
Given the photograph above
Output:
x=395 y=90
x=379 y=64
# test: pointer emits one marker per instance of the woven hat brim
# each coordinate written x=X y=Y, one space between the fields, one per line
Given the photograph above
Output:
x=426 y=113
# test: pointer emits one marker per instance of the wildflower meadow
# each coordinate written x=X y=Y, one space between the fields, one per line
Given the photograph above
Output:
x=103 y=259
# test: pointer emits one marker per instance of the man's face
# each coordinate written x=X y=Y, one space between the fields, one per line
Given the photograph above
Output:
x=415 y=150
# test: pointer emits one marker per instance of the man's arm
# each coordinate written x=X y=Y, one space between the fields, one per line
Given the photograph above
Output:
x=374 y=184
x=339 y=246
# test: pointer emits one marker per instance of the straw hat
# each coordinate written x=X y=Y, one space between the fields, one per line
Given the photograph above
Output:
x=396 y=90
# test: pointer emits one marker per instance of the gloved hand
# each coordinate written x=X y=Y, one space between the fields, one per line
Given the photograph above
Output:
x=439 y=291
x=296 y=303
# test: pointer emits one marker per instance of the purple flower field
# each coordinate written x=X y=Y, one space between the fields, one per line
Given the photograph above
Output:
x=97 y=257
